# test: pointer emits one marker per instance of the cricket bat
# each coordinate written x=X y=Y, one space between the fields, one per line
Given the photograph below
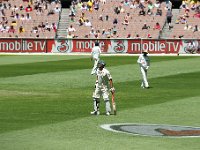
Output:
x=114 y=104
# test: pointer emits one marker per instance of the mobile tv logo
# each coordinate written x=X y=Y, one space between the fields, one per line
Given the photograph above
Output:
x=154 y=130
x=156 y=46
x=22 y=45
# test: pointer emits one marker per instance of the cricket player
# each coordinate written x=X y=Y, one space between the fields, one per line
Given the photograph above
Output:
x=104 y=85
x=144 y=63
x=95 y=54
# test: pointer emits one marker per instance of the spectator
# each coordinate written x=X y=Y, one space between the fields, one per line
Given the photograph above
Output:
x=54 y=27
x=157 y=26
x=145 y=27
x=137 y=36
x=103 y=33
x=107 y=17
x=88 y=23
x=196 y=28
x=141 y=6
x=21 y=29
x=47 y=27
x=114 y=30
x=41 y=27
x=158 y=12
x=149 y=12
x=17 y=16
x=71 y=29
x=133 y=5
x=150 y=5
x=109 y=33
x=149 y=35
x=15 y=8
x=117 y=10
x=187 y=27
x=169 y=17
x=28 y=17
x=142 y=12
x=35 y=30
x=186 y=14
x=96 y=5
x=97 y=35
x=14 y=23
x=22 y=18
x=126 y=2
x=21 y=7
x=157 y=4
x=92 y=33
x=29 y=8
x=83 y=7
x=70 y=35
x=11 y=29
x=177 y=20
x=183 y=20
x=89 y=5
x=3 y=27
x=103 y=1
x=101 y=17
x=128 y=36
x=115 y=21
x=57 y=9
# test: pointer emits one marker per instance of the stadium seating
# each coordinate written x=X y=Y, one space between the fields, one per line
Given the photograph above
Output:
x=13 y=15
x=45 y=19
x=185 y=29
x=122 y=31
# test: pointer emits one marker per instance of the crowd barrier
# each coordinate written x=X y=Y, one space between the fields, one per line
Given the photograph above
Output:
x=113 y=46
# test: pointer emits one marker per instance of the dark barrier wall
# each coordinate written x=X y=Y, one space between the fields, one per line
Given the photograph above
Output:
x=66 y=4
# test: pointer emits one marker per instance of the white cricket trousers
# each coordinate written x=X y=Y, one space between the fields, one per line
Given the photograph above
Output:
x=104 y=92
x=144 y=77
x=94 y=69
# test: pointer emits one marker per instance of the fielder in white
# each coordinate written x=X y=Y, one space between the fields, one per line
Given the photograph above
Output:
x=95 y=54
x=104 y=85
x=144 y=63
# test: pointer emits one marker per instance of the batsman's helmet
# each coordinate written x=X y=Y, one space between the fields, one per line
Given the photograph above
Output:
x=96 y=43
x=101 y=63
x=145 y=51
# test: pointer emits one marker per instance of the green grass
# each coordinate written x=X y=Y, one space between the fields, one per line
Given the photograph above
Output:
x=45 y=102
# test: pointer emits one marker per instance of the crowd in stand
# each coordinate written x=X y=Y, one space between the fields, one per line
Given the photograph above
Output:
x=98 y=18
x=187 y=24
x=130 y=18
x=29 y=18
x=116 y=18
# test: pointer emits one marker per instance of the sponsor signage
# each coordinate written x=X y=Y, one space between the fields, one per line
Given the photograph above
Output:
x=22 y=45
x=130 y=46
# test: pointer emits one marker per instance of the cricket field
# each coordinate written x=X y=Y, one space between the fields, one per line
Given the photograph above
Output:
x=45 y=102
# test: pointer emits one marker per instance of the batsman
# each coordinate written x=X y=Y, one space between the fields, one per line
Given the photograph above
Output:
x=104 y=85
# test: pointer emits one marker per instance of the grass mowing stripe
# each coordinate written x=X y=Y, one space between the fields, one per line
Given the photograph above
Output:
x=82 y=78
x=44 y=67
x=61 y=121
x=81 y=133
x=9 y=60
x=25 y=111
x=164 y=89
x=51 y=64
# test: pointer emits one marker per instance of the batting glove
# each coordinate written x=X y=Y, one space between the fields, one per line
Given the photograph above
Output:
x=112 y=89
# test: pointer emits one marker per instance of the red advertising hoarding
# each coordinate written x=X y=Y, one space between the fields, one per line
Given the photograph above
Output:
x=130 y=46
